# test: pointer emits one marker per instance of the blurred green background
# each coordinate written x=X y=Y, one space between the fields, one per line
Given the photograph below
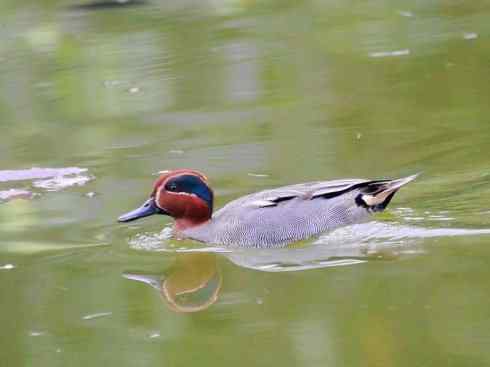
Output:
x=255 y=94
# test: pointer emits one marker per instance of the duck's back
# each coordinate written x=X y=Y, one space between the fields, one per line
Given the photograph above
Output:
x=279 y=216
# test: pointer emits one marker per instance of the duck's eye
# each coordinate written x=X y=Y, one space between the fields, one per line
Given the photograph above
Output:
x=172 y=187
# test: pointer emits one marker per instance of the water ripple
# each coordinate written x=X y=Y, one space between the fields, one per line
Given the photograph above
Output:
x=46 y=179
x=351 y=245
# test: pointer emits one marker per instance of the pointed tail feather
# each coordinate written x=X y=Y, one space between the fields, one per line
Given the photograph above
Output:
x=378 y=194
x=398 y=183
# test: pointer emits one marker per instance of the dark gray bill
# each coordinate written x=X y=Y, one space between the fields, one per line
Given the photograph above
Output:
x=145 y=210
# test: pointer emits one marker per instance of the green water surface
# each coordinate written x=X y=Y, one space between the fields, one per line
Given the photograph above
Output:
x=255 y=94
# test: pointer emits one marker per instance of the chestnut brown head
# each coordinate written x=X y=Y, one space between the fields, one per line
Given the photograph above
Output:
x=183 y=194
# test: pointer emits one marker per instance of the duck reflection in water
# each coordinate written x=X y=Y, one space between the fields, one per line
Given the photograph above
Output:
x=192 y=284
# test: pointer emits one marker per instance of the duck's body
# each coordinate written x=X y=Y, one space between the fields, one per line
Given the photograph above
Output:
x=280 y=216
x=270 y=218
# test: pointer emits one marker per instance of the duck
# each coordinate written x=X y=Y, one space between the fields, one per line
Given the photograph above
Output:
x=271 y=218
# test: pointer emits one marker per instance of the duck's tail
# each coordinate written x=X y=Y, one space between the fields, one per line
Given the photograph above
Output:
x=376 y=195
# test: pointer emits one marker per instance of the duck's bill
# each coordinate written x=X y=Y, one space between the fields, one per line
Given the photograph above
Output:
x=148 y=208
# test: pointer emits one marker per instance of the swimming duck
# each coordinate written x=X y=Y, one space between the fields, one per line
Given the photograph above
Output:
x=270 y=218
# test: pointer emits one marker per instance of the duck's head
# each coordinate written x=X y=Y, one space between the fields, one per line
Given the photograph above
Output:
x=183 y=194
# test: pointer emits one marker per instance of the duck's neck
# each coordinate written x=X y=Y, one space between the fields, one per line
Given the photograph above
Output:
x=194 y=214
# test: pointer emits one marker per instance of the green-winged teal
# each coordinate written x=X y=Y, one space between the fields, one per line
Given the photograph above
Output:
x=269 y=218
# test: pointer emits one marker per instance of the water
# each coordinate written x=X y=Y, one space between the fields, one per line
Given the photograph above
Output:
x=96 y=99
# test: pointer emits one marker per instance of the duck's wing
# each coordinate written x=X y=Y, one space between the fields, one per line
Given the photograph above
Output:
x=374 y=192
x=309 y=190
